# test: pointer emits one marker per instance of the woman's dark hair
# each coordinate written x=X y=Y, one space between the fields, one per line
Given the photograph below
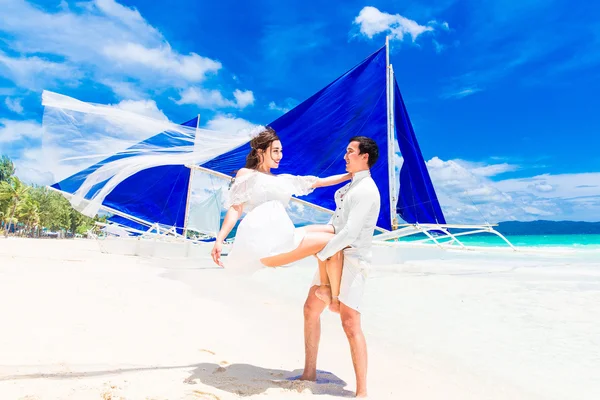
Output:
x=260 y=142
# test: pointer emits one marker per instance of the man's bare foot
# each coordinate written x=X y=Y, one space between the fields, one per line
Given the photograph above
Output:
x=334 y=306
x=308 y=377
x=361 y=394
x=324 y=294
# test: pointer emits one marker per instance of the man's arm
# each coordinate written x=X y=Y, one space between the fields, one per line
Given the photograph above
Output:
x=362 y=204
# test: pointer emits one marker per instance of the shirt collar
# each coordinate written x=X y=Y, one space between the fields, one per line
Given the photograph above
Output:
x=360 y=175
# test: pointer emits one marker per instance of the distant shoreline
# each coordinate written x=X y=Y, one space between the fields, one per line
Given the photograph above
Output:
x=542 y=227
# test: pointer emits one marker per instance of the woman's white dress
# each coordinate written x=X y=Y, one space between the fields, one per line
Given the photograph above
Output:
x=266 y=229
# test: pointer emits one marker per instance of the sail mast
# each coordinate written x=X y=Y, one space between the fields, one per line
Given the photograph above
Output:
x=390 y=135
x=189 y=193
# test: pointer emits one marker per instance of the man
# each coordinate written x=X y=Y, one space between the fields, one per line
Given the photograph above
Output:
x=357 y=210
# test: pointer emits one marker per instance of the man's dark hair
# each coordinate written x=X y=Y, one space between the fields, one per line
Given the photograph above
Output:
x=367 y=145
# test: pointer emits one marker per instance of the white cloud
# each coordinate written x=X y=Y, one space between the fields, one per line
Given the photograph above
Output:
x=536 y=211
x=14 y=105
x=372 y=22
x=21 y=141
x=124 y=90
x=468 y=195
x=214 y=99
x=481 y=169
x=35 y=73
x=13 y=131
x=287 y=105
x=231 y=124
x=455 y=178
x=561 y=186
x=303 y=215
x=162 y=59
x=275 y=107
x=441 y=25
x=29 y=168
x=542 y=187
x=128 y=16
x=204 y=98
x=142 y=107
x=101 y=40
x=460 y=93
x=243 y=98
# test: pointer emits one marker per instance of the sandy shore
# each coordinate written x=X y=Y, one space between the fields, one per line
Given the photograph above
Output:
x=79 y=324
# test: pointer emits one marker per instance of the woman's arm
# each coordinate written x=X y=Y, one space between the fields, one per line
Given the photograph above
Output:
x=231 y=217
x=332 y=180
x=234 y=213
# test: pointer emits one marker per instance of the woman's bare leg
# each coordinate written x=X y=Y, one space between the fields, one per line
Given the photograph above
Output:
x=324 y=290
x=319 y=228
x=315 y=239
x=334 y=268
x=312 y=243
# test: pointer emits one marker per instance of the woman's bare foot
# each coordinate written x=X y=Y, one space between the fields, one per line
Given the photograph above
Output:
x=324 y=294
x=334 y=306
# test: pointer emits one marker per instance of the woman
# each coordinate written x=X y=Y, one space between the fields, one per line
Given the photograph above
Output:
x=267 y=237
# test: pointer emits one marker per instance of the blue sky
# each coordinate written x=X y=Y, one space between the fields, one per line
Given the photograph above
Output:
x=502 y=94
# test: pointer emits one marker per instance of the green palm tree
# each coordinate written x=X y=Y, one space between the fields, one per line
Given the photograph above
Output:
x=14 y=191
x=28 y=210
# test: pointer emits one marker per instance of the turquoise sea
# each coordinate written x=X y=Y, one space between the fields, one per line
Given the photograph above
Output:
x=589 y=241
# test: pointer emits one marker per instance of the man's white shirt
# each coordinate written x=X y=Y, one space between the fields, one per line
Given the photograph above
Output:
x=355 y=217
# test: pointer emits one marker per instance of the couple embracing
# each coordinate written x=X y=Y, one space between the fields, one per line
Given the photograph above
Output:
x=267 y=237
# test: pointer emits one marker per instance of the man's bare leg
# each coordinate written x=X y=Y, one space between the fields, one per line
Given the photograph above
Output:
x=313 y=307
x=358 y=347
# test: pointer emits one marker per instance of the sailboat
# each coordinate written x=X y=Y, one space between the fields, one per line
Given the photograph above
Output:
x=364 y=101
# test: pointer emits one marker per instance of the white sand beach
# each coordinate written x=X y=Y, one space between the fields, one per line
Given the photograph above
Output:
x=80 y=324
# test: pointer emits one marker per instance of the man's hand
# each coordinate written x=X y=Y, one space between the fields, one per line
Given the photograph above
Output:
x=216 y=253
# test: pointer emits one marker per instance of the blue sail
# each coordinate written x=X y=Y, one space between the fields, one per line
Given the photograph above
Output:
x=417 y=200
x=155 y=195
x=315 y=134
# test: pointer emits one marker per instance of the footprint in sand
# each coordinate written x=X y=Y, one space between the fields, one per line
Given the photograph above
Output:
x=109 y=393
x=207 y=351
x=107 y=396
x=190 y=381
x=205 y=395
